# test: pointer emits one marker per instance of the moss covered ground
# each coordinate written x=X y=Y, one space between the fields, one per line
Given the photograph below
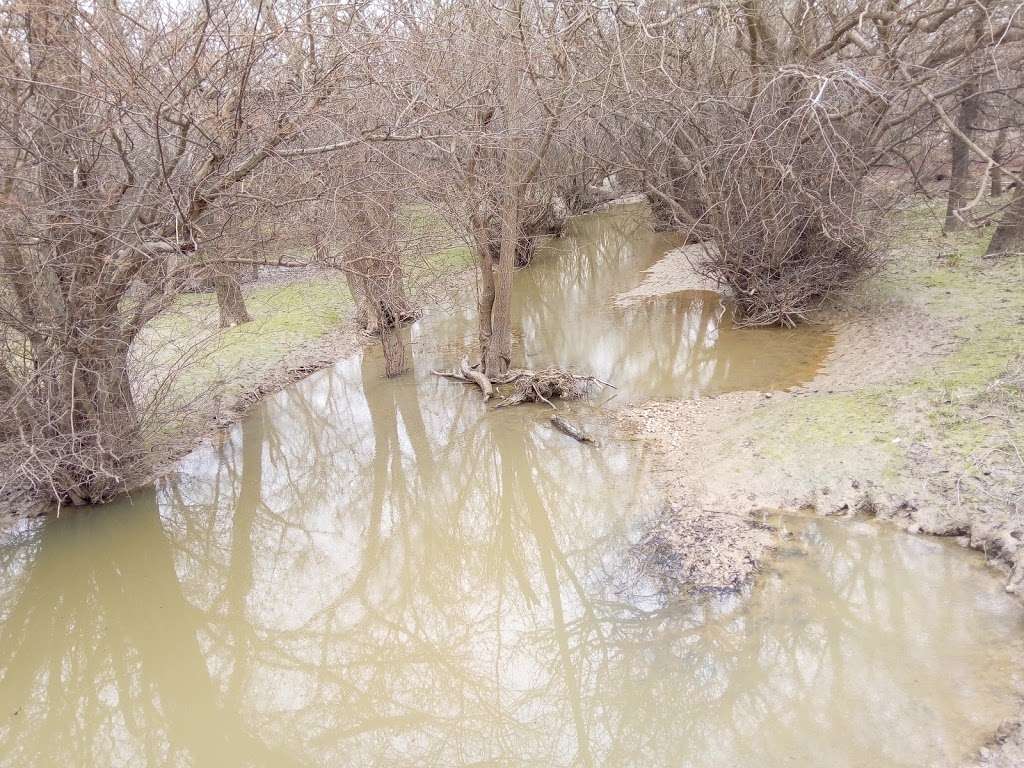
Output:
x=968 y=391
x=192 y=368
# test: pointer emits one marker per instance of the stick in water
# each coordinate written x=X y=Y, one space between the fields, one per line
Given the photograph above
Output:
x=571 y=430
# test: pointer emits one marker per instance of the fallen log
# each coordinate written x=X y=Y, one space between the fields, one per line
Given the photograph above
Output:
x=477 y=378
x=570 y=429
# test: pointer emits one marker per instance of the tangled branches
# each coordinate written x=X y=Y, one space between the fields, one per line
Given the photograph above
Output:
x=786 y=205
x=527 y=386
x=546 y=385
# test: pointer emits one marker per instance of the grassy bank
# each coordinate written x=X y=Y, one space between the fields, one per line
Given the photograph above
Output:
x=200 y=376
x=960 y=395
x=917 y=414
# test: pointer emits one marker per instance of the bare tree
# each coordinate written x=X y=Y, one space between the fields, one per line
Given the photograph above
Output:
x=503 y=180
x=125 y=139
x=705 y=103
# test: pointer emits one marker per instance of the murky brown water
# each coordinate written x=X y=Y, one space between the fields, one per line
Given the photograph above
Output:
x=683 y=345
x=371 y=573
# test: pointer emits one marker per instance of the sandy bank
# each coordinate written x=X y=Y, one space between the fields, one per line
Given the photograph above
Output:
x=916 y=418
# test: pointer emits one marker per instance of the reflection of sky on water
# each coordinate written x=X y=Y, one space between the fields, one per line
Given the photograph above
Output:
x=682 y=345
x=387 y=573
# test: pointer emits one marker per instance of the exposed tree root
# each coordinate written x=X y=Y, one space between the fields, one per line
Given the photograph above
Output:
x=477 y=378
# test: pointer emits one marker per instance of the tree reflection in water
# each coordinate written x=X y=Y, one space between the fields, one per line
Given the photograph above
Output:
x=389 y=574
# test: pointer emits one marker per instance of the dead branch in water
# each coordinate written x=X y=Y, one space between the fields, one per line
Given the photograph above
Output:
x=527 y=386
x=477 y=378
x=453 y=375
x=570 y=429
x=546 y=385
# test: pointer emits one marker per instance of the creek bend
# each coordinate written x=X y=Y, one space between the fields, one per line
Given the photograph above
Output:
x=386 y=573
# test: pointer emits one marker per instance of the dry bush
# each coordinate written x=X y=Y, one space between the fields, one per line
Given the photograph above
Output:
x=785 y=201
x=545 y=385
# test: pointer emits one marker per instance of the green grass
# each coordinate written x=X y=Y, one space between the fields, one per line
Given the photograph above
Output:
x=982 y=302
x=188 y=359
x=201 y=361
x=961 y=404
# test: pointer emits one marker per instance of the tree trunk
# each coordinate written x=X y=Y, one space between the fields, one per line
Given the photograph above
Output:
x=498 y=354
x=93 y=435
x=357 y=287
x=485 y=301
x=378 y=279
x=230 y=301
x=997 y=169
x=1009 y=235
x=396 y=361
x=380 y=302
x=960 y=155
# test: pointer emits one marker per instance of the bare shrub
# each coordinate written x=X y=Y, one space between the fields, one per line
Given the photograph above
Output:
x=784 y=199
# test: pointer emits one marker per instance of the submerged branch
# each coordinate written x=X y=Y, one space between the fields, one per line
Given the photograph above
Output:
x=570 y=429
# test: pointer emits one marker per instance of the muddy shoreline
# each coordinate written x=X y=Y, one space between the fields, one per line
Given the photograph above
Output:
x=687 y=442
x=901 y=424
x=859 y=439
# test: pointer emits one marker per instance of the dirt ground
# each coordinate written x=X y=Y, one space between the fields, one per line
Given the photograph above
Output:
x=916 y=417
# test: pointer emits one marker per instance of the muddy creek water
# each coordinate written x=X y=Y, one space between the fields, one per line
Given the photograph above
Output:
x=374 y=573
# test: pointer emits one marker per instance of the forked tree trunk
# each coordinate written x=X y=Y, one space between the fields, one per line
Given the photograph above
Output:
x=230 y=301
x=388 y=325
x=1009 y=235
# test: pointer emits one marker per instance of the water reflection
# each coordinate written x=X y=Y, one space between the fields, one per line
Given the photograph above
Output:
x=202 y=625
x=388 y=574
x=682 y=345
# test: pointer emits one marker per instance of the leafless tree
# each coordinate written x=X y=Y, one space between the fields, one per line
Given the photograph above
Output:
x=508 y=85
x=147 y=146
x=128 y=139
